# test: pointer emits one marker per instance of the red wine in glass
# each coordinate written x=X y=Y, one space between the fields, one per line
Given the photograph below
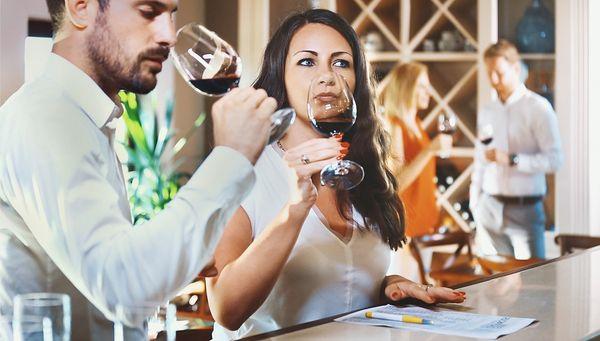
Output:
x=487 y=140
x=330 y=128
x=212 y=67
x=216 y=86
x=486 y=134
x=332 y=112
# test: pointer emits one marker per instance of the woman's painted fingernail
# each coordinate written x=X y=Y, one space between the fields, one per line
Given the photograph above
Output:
x=345 y=144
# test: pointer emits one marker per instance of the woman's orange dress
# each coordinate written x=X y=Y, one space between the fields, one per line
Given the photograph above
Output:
x=422 y=212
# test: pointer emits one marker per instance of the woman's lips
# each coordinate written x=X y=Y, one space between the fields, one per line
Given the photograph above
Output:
x=326 y=97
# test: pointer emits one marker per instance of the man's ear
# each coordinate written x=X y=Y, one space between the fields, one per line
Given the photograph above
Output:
x=80 y=13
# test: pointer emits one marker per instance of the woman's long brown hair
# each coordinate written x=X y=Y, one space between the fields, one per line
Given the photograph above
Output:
x=376 y=198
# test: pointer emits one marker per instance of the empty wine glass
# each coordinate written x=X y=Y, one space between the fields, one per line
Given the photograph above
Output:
x=54 y=311
x=446 y=125
x=212 y=68
x=486 y=134
x=145 y=321
x=332 y=112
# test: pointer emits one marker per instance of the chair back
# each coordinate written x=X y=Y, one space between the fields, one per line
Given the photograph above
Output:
x=569 y=242
x=446 y=268
x=502 y=263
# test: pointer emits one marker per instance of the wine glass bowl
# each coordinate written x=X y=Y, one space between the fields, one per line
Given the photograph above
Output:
x=208 y=63
x=331 y=106
x=446 y=125
x=145 y=319
x=212 y=68
x=52 y=309
x=332 y=111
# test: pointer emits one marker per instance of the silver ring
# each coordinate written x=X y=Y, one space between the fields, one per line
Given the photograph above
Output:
x=305 y=160
x=428 y=286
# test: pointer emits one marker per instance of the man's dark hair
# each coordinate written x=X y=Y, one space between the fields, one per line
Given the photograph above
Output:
x=56 y=8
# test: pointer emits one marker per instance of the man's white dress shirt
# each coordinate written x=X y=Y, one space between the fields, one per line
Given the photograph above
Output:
x=524 y=125
x=63 y=203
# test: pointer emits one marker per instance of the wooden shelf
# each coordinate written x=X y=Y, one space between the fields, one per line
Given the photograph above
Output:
x=461 y=152
x=445 y=56
x=538 y=56
x=404 y=25
x=423 y=56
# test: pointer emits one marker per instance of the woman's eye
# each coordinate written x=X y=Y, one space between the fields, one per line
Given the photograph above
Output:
x=306 y=62
x=341 y=63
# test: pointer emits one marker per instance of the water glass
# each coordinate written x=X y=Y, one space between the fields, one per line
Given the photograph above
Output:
x=28 y=328
x=144 y=321
x=50 y=311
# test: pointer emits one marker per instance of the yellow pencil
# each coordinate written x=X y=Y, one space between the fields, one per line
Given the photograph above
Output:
x=399 y=318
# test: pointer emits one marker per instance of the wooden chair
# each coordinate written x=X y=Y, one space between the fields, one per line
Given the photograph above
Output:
x=569 y=242
x=502 y=263
x=447 y=269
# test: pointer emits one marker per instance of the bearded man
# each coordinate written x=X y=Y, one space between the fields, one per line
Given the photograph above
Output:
x=65 y=223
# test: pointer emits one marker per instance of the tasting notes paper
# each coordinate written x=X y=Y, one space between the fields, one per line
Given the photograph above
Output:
x=444 y=322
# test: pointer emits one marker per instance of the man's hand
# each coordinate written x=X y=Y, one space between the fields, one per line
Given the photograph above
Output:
x=242 y=121
x=498 y=156
x=441 y=143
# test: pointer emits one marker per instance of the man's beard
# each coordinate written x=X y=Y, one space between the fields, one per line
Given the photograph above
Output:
x=111 y=65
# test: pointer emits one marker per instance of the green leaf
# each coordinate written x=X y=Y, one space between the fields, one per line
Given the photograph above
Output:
x=150 y=186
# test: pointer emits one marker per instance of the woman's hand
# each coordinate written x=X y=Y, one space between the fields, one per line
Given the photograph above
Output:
x=441 y=143
x=308 y=159
x=397 y=288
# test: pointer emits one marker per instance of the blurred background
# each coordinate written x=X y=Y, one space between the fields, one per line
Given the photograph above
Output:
x=555 y=38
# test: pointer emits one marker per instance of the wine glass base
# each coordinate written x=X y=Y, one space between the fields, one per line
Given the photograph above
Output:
x=281 y=120
x=343 y=174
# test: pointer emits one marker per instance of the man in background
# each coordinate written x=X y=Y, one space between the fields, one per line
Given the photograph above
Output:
x=508 y=182
x=65 y=223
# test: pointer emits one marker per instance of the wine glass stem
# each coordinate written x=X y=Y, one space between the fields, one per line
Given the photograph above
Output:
x=339 y=167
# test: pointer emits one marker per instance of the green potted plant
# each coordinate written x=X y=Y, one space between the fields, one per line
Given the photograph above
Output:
x=152 y=178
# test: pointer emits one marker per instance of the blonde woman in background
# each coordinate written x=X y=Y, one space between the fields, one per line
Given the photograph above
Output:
x=405 y=94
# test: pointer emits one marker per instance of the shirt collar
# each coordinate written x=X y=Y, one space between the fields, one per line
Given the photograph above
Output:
x=83 y=90
x=516 y=95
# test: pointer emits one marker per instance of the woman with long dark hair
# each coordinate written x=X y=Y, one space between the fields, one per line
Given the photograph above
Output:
x=297 y=251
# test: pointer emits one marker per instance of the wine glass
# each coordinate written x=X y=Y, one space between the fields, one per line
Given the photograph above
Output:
x=486 y=134
x=145 y=321
x=332 y=112
x=53 y=310
x=446 y=125
x=212 y=68
x=26 y=328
